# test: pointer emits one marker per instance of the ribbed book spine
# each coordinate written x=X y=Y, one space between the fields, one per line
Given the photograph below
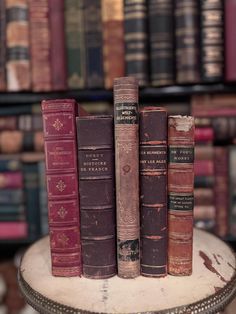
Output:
x=113 y=40
x=97 y=195
x=57 y=49
x=230 y=42
x=40 y=45
x=180 y=194
x=136 y=40
x=153 y=191
x=161 y=39
x=17 y=43
x=93 y=43
x=212 y=40
x=127 y=176
x=75 y=44
x=2 y=45
x=62 y=185
x=187 y=41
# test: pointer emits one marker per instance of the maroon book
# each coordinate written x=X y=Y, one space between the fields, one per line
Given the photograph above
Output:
x=230 y=42
x=180 y=194
x=62 y=185
x=11 y=179
x=153 y=191
x=97 y=195
x=57 y=49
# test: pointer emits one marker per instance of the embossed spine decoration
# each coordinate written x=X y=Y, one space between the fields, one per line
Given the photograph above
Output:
x=97 y=195
x=180 y=194
x=2 y=45
x=127 y=175
x=153 y=191
x=62 y=185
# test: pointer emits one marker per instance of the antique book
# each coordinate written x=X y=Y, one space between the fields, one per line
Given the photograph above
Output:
x=161 y=40
x=153 y=191
x=230 y=43
x=57 y=48
x=127 y=175
x=180 y=194
x=136 y=40
x=43 y=198
x=93 y=43
x=187 y=41
x=212 y=40
x=40 y=38
x=2 y=46
x=62 y=185
x=113 y=40
x=17 y=43
x=97 y=195
x=75 y=52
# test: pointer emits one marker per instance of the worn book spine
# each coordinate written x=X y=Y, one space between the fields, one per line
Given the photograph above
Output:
x=93 y=43
x=62 y=185
x=17 y=44
x=187 y=41
x=153 y=191
x=212 y=40
x=127 y=176
x=57 y=48
x=2 y=46
x=74 y=29
x=161 y=40
x=97 y=195
x=40 y=45
x=230 y=43
x=180 y=194
x=136 y=40
x=113 y=40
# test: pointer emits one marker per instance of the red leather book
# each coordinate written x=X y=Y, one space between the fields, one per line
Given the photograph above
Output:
x=204 y=134
x=180 y=194
x=58 y=47
x=97 y=195
x=127 y=175
x=153 y=191
x=230 y=42
x=62 y=185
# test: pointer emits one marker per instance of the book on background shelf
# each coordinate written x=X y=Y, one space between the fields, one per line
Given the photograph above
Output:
x=13 y=230
x=232 y=190
x=230 y=43
x=3 y=45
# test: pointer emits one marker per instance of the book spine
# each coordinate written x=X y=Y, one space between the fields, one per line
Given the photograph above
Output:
x=153 y=177
x=127 y=176
x=203 y=196
x=62 y=185
x=113 y=40
x=230 y=43
x=204 y=181
x=221 y=195
x=40 y=45
x=11 y=196
x=13 y=230
x=11 y=180
x=97 y=195
x=161 y=27
x=3 y=45
x=212 y=40
x=43 y=199
x=9 y=163
x=180 y=194
x=204 y=134
x=17 y=43
x=93 y=43
x=8 y=123
x=136 y=40
x=187 y=41
x=75 y=44
x=204 y=167
x=57 y=48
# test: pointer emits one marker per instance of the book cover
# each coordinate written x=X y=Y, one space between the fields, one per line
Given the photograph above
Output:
x=2 y=46
x=230 y=43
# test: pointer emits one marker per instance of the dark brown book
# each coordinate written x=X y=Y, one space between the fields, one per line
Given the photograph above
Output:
x=97 y=195
x=180 y=194
x=230 y=42
x=58 y=47
x=127 y=175
x=2 y=45
x=153 y=191
x=113 y=40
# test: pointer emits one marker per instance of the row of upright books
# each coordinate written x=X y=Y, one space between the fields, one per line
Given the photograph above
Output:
x=49 y=45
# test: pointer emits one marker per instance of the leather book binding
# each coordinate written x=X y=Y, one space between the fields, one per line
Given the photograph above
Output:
x=136 y=40
x=187 y=41
x=153 y=191
x=62 y=185
x=212 y=40
x=3 y=45
x=230 y=42
x=97 y=195
x=57 y=49
x=113 y=40
x=180 y=194
x=127 y=176
x=161 y=28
